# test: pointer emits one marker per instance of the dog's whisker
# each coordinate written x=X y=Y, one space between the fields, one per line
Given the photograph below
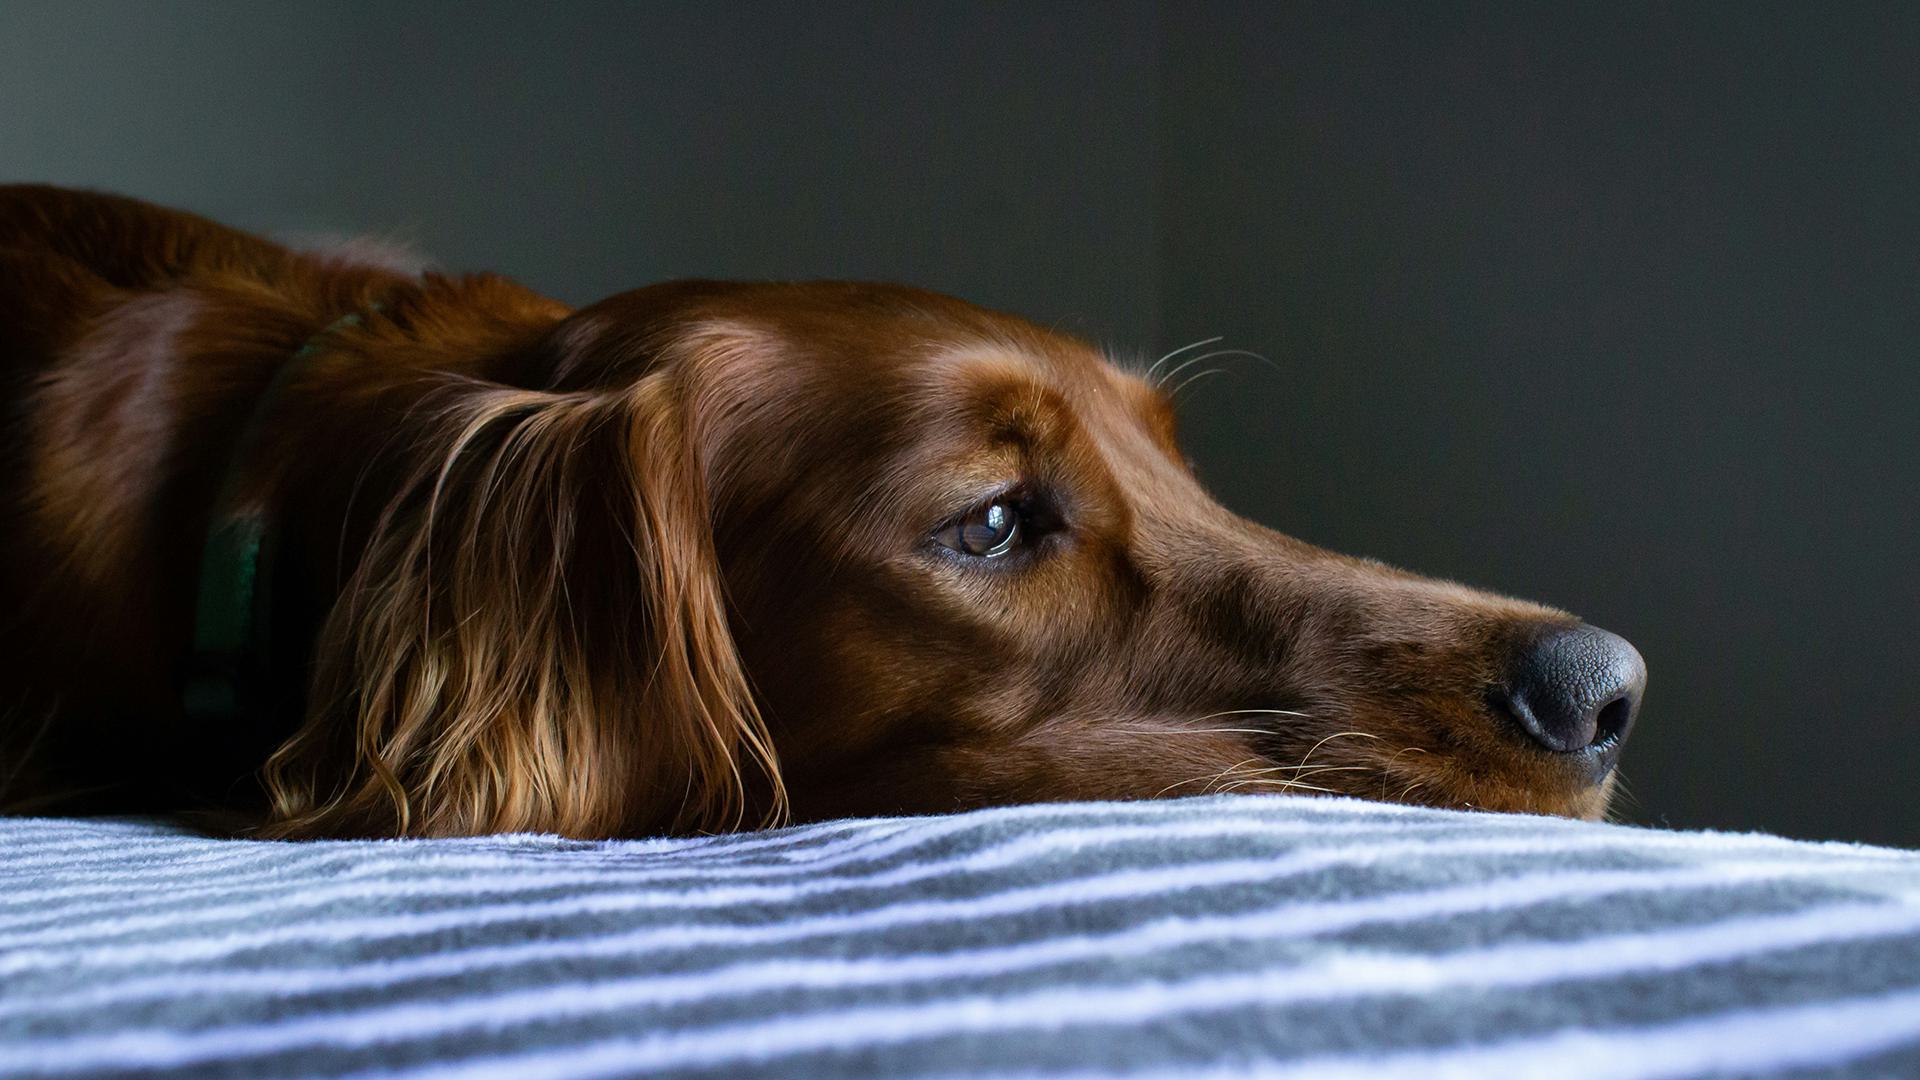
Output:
x=1387 y=770
x=1315 y=748
x=1184 y=348
x=1191 y=731
x=1311 y=770
x=1191 y=379
x=1183 y=783
x=1230 y=778
x=1249 y=712
x=1623 y=800
x=1280 y=786
x=1186 y=728
x=1210 y=778
x=1202 y=358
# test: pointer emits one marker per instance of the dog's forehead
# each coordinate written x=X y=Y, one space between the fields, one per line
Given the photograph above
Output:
x=880 y=341
x=1055 y=380
x=893 y=325
x=1068 y=373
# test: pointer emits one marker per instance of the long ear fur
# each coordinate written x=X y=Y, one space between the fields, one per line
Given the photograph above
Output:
x=535 y=639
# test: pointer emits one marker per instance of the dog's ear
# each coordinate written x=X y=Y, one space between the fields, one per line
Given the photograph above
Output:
x=536 y=638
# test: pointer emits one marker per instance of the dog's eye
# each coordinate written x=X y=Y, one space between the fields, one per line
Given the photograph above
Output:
x=987 y=533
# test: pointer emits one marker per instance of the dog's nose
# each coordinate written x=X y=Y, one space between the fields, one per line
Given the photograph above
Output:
x=1575 y=688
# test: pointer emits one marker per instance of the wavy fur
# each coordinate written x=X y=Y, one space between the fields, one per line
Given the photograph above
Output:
x=534 y=640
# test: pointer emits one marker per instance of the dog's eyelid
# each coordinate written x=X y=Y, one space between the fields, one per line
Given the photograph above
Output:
x=969 y=499
x=1015 y=519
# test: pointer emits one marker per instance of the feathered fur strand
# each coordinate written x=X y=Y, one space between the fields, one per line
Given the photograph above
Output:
x=535 y=638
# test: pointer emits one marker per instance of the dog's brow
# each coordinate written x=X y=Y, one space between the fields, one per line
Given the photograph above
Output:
x=1151 y=408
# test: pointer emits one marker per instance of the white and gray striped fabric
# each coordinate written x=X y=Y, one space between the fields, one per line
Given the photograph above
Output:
x=1210 y=937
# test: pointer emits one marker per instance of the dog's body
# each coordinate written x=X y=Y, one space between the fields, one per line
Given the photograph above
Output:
x=689 y=558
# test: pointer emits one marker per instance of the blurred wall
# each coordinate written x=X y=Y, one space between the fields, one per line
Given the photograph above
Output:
x=998 y=153
x=1612 y=307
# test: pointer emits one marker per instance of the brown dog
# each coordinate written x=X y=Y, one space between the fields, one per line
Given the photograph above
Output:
x=435 y=556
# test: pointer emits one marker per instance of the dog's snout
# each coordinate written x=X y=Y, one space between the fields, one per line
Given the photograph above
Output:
x=1576 y=688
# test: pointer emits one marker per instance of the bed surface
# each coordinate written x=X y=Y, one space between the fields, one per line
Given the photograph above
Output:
x=1220 y=936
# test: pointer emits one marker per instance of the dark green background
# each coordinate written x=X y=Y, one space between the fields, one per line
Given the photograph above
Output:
x=1611 y=307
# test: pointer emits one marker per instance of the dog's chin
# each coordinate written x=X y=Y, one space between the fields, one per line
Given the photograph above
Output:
x=1560 y=789
x=1579 y=785
x=1587 y=802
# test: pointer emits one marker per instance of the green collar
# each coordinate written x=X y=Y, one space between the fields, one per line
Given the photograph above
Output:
x=231 y=608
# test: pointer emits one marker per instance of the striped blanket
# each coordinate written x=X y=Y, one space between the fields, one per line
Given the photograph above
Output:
x=1210 y=937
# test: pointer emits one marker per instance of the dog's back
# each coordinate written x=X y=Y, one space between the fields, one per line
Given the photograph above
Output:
x=91 y=464
x=137 y=343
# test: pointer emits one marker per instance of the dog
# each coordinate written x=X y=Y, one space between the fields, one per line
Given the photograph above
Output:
x=343 y=551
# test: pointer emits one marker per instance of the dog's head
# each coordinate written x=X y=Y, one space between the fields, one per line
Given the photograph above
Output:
x=939 y=557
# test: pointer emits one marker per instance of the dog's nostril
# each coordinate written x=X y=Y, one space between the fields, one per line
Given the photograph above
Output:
x=1611 y=722
x=1576 y=687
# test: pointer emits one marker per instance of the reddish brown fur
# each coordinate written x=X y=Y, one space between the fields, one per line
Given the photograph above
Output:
x=664 y=563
